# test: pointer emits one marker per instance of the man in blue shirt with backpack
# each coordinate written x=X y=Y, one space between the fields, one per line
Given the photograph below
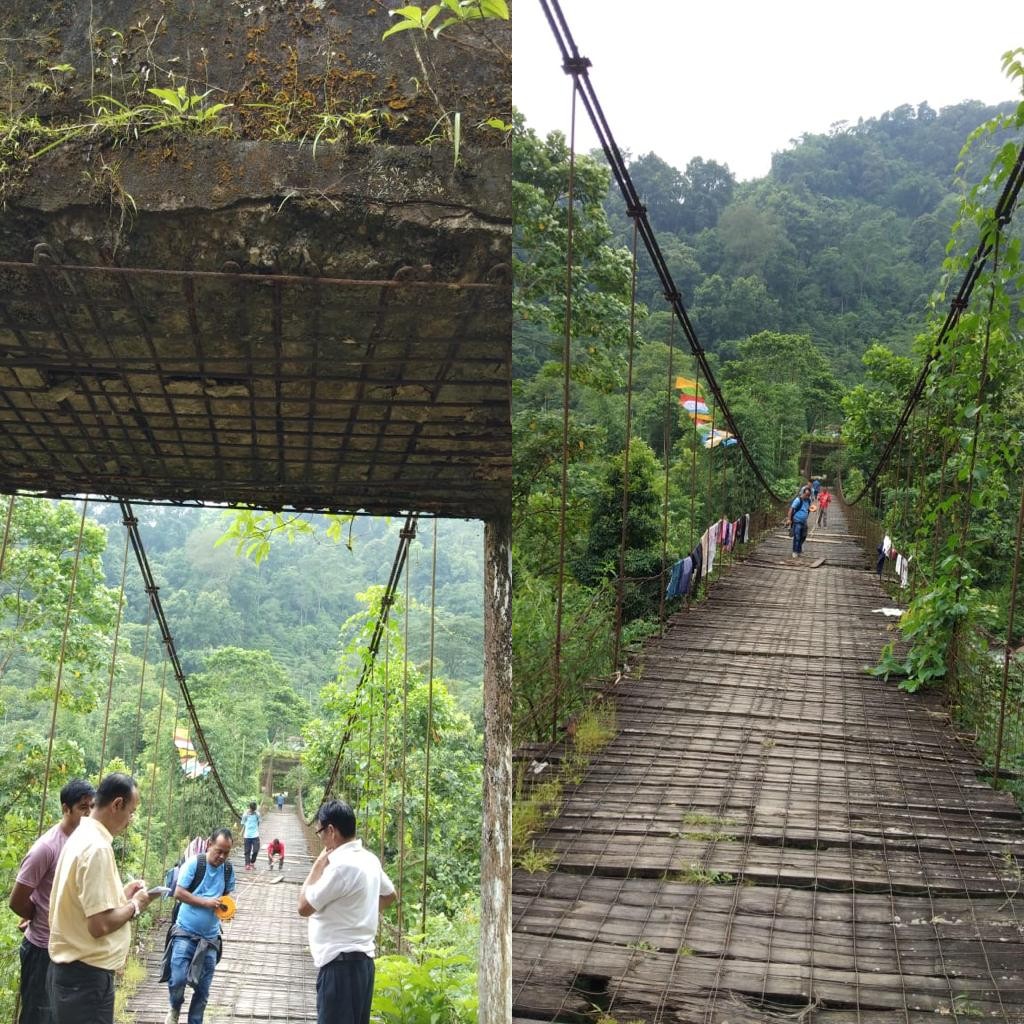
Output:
x=194 y=940
x=799 y=510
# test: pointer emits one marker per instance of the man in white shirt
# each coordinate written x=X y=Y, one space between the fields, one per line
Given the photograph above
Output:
x=342 y=896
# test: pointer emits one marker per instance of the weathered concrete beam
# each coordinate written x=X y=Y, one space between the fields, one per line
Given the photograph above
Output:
x=281 y=64
x=199 y=203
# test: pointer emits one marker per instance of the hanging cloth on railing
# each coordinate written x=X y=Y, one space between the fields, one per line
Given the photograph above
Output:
x=697 y=558
x=709 y=548
x=903 y=570
x=679 y=583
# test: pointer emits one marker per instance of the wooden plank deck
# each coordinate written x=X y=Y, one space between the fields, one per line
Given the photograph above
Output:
x=266 y=972
x=774 y=834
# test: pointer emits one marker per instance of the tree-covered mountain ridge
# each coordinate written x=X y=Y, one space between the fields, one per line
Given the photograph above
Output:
x=843 y=239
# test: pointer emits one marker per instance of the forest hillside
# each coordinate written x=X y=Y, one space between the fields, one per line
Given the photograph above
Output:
x=843 y=240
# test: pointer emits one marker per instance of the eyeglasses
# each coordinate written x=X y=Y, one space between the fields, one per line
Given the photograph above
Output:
x=323 y=828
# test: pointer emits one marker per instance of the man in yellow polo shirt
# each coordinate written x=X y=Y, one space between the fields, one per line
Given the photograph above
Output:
x=90 y=909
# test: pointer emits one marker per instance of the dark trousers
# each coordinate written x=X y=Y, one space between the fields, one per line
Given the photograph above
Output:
x=81 y=994
x=35 y=995
x=344 y=991
x=799 y=536
x=252 y=847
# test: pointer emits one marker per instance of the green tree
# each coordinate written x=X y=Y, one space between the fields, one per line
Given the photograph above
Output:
x=382 y=729
x=600 y=559
x=34 y=592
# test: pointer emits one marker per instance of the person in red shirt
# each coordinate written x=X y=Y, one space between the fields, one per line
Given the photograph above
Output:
x=275 y=849
x=824 y=500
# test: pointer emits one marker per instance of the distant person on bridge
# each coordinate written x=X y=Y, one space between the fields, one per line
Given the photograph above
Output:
x=195 y=941
x=280 y=801
x=90 y=907
x=824 y=500
x=799 y=510
x=251 y=835
x=30 y=900
x=342 y=896
x=815 y=489
x=275 y=849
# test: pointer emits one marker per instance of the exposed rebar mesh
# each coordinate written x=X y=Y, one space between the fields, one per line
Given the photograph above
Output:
x=268 y=390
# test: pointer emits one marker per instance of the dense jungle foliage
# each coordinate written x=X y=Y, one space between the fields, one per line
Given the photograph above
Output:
x=802 y=285
x=272 y=653
x=952 y=497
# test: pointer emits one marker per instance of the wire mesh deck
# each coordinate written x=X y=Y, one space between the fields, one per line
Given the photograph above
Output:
x=774 y=834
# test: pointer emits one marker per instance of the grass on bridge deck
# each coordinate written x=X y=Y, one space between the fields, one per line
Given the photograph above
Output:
x=266 y=972
x=773 y=834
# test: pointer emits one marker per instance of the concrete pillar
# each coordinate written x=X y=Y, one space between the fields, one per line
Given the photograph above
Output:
x=495 y=970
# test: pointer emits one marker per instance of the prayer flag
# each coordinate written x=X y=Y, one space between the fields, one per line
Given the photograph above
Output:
x=182 y=742
x=719 y=437
x=693 y=403
x=686 y=384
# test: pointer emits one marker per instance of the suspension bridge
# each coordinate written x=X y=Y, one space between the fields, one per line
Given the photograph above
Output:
x=370 y=377
x=770 y=831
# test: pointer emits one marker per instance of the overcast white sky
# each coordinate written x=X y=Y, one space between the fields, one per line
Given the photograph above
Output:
x=735 y=80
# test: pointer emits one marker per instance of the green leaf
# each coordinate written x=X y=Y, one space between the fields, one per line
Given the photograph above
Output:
x=400 y=27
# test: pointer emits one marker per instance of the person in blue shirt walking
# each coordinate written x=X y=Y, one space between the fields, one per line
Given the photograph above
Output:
x=251 y=835
x=799 y=510
x=195 y=935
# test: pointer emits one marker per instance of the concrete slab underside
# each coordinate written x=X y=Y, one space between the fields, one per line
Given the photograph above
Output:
x=338 y=349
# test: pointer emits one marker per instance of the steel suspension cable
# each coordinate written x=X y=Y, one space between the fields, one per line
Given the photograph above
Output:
x=668 y=460
x=170 y=787
x=142 y=680
x=566 y=368
x=575 y=65
x=60 y=666
x=1010 y=617
x=384 y=754
x=367 y=788
x=1003 y=213
x=405 y=747
x=711 y=497
x=947 y=448
x=693 y=470
x=620 y=583
x=156 y=758
x=975 y=436
x=132 y=526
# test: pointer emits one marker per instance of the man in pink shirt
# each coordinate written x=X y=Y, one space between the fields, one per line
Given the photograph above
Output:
x=30 y=900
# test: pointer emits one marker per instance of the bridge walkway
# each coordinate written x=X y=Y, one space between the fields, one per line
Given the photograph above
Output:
x=266 y=973
x=773 y=833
